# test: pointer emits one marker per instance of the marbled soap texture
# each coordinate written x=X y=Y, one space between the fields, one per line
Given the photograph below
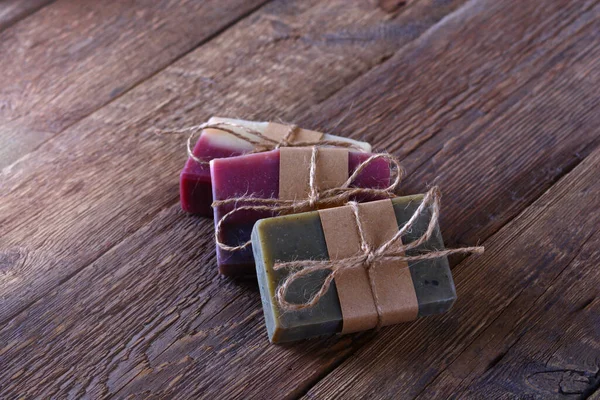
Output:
x=195 y=187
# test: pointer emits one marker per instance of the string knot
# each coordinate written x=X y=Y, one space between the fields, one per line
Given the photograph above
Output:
x=316 y=197
x=369 y=257
x=257 y=139
x=314 y=200
x=286 y=140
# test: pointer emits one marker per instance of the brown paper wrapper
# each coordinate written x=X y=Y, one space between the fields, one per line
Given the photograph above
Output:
x=278 y=131
x=392 y=279
x=294 y=170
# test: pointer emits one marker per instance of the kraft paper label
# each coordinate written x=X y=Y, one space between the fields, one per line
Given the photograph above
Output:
x=294 y=170
x=393 y=282
x=278 y=131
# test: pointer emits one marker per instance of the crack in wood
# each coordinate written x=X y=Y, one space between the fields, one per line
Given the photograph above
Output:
x=19 y=10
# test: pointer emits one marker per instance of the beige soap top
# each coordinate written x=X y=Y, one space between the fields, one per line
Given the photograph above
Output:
x=223 y=139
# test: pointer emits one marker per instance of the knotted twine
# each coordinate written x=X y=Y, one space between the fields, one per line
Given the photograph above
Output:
x=260 y=142
x=368 y=258
x=316 y=198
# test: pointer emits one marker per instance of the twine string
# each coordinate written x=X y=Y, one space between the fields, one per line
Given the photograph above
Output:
x=257 y=139
x=369 y=261
x=368 y=258
x=316 y=198
x=285 y=142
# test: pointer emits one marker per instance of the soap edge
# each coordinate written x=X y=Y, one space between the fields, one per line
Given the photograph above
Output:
x=438 y=235
x=263 y=284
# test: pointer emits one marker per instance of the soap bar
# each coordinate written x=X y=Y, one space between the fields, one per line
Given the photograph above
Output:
x=301 y=237
x=195 y=186
x=257 y=175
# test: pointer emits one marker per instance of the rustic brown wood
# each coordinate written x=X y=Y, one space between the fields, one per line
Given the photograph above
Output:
x=513 y=139
x=72 y=57
x=391 y=5
x=109 y=175
x=12 y=11
x=524 y=277
x=76 y=242
x=502 y=119
x=556 y=351
x=98 y=315
x=552 y=349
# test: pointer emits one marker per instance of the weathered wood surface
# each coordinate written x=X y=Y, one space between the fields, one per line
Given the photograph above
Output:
x=526 y=322
x=72 y=57
x=108 y=289
x=126 y=173
x=490 y=167
x=12 y=11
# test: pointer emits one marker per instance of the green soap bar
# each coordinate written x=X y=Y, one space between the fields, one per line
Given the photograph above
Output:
x=301 y=237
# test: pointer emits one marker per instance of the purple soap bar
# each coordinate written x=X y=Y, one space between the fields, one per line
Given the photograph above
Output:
x=257 y=175
x=195 y=188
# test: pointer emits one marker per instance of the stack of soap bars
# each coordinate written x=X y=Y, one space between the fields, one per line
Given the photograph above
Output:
x=259 y=176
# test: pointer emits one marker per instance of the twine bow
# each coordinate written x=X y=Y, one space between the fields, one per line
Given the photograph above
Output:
x=257 y=139
x=316 y=198
x=368 y=258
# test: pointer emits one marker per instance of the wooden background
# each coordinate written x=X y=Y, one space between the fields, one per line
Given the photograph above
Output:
x=107 y=289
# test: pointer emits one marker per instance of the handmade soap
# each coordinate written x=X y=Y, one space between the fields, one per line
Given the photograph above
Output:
x=195 y=186
x=258 y=175
x=301 y=237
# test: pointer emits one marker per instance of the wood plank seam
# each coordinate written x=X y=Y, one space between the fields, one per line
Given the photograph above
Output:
x=210 y=37
x=394 y=147
x=174 y=203
x=564 y=175
x=530 y=80
x=548 y=289
x=28 y=13
x=379 y=63
x=133 y=377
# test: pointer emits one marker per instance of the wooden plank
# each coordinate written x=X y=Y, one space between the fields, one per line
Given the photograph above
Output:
x=175 y=327
x=71 y=58
x=553 y=349
x=106 y=194
x=475 y=118
x=12 y=11
x=537 y=269
x=502 y=148
x=87 y=189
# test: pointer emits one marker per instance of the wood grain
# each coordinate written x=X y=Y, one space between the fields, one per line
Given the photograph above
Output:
x=495 y=166
x=107 y=176
x=501 y=121
x=80 y=216
x=553 y=350
x=72 y=57
x=12 y=11
x=97 y=315
x=527 y=267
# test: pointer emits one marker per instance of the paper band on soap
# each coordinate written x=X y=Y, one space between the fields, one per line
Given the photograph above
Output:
x=278 y=132
x=331 y=169
x=397 y=299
